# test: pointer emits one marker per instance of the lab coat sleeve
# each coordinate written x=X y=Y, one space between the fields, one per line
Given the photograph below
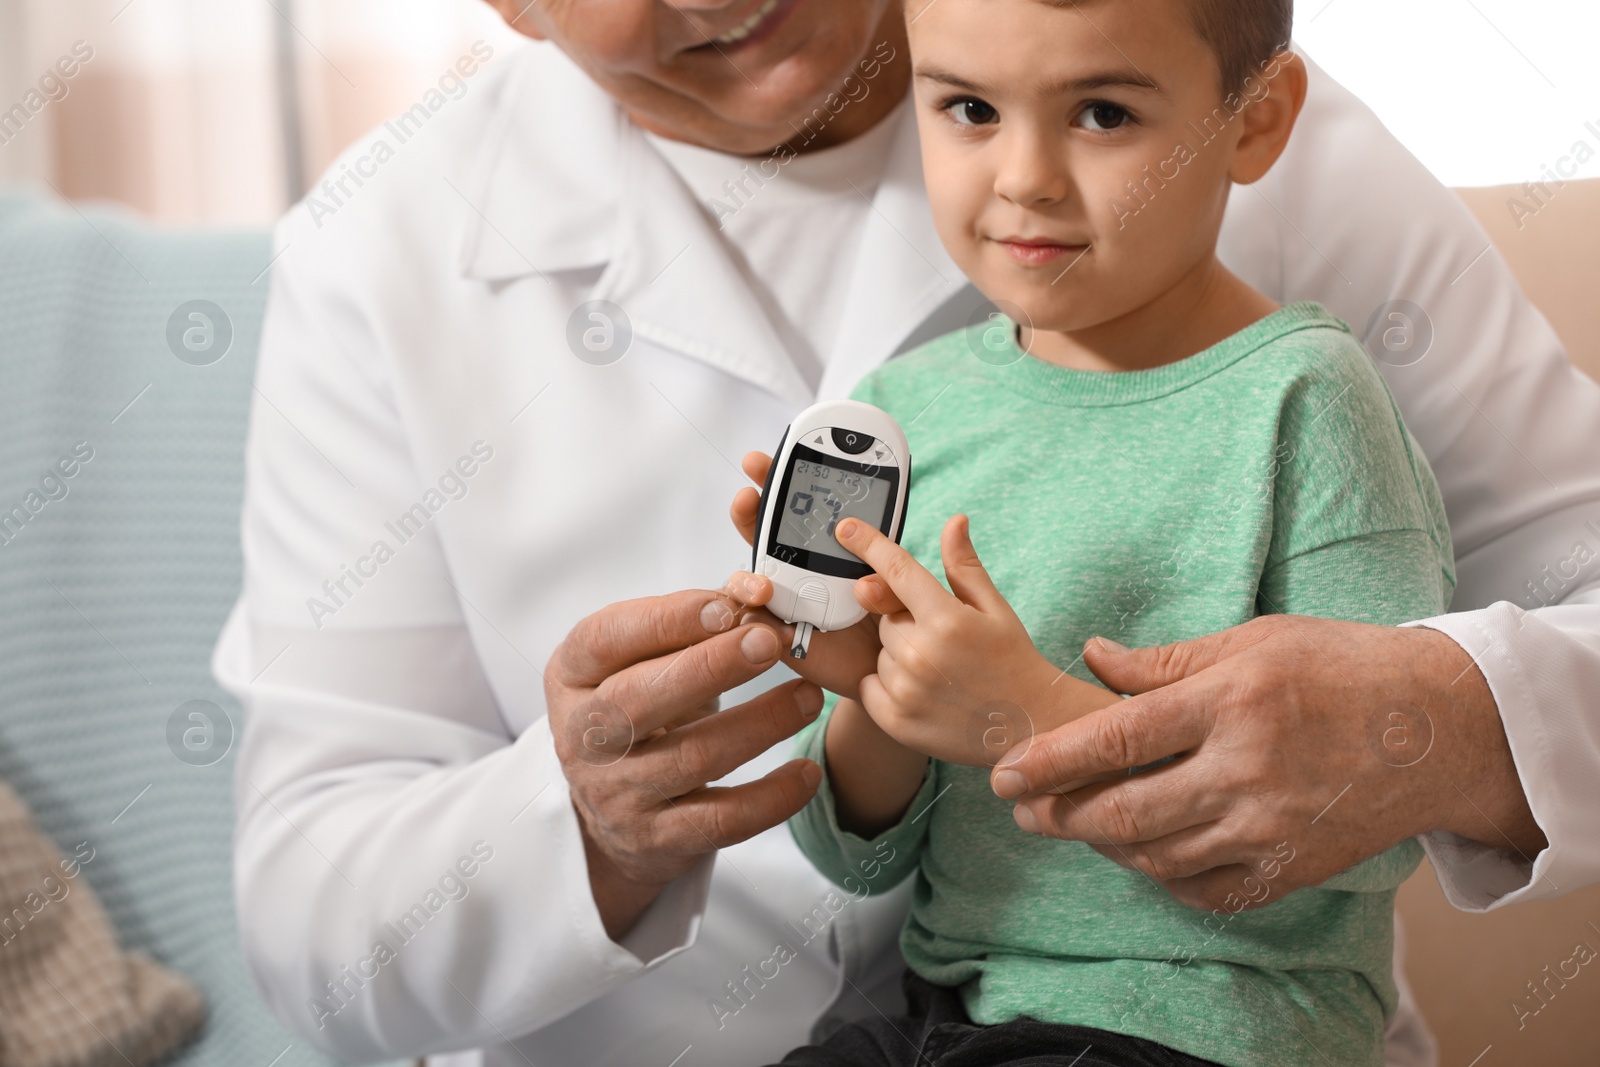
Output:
x=1543 y=667
x=1510 y=428
x=409 y=876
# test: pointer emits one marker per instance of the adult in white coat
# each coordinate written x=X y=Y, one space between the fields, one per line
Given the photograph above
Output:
x=509 y=363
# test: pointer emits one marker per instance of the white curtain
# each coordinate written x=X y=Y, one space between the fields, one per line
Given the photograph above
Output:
x=207 y=112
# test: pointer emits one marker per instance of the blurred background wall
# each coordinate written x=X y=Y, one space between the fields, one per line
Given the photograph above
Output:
x=212 y=113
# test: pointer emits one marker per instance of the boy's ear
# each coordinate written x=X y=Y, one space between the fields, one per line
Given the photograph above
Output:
x=1273 y=102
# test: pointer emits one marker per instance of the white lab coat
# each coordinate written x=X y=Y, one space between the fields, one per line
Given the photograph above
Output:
x=415 y=363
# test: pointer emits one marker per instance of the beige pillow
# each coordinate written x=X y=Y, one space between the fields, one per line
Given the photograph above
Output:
x=69 y=995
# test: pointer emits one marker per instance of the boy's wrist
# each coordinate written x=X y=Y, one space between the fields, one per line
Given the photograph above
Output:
x=1052 y=697
x=873 y=777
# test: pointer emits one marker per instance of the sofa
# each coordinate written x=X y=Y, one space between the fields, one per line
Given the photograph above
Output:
x=113 y=591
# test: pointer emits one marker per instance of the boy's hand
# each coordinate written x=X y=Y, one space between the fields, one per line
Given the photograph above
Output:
x=958 y=678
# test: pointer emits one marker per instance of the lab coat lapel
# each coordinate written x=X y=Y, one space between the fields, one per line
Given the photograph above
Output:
x=901 y=274
x=672 y=275
x=542 y=194
x=666 y=266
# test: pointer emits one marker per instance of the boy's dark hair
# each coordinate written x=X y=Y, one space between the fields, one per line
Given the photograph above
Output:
x=1243 y=34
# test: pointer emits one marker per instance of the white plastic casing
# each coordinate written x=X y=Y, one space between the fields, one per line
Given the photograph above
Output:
x=800 y=594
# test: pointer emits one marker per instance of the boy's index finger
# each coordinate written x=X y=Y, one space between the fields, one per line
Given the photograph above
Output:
x=913 y=583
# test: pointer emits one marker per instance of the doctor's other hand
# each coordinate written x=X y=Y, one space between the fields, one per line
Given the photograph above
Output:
x=1332 y=739
x=633 y=693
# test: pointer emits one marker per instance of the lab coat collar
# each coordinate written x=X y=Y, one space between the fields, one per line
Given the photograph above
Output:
x=537 y=202
x=902 y=271
x=538 y=206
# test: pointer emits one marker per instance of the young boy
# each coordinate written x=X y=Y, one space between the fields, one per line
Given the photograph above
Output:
x=1152 y=451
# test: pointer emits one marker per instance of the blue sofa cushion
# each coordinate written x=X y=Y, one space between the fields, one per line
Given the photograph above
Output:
x=115 y=579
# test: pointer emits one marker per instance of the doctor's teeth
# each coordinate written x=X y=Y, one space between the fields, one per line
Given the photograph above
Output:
x=741 y=31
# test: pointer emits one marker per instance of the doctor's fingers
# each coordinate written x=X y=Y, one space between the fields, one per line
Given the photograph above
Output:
x=1130 y=809
x=719 y=816
x=746 y=508
x=1204 y=867
x=625 y=633
x=666 y=689
x=1231 y=889
x=685 y=759
x=1131 y=733
x=756 y=465
x=1185 y=854
x=749 y=590
x=745 y=511
x=710 y=707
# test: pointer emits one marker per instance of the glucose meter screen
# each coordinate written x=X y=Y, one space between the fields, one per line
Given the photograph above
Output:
x=820 y=494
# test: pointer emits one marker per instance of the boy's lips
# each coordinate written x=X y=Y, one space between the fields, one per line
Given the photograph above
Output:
x=1037 y=251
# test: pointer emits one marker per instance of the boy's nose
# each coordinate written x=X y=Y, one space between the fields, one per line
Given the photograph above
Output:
x=1032 y=172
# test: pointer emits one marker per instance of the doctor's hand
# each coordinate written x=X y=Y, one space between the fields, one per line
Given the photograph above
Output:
x=958 y=677
x=632 y=693
x=1328 y=741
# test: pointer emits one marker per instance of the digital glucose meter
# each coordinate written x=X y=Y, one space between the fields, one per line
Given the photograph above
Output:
x=838 y=459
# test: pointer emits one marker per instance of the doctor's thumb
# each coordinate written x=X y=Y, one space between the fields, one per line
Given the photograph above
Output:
x=1139 y=670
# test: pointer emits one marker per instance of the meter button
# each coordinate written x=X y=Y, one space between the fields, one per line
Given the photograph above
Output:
x=814 y=591
x=852 y=442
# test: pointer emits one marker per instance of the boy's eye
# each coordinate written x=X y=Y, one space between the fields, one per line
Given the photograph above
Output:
x=970 y=111
x=1102 y=117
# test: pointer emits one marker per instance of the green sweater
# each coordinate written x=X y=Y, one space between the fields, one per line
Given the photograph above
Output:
x=1268 y=474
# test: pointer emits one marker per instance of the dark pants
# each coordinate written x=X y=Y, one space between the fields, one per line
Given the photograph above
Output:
x=936 y=1032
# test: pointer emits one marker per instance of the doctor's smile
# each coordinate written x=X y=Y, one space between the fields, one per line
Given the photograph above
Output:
x=740 y=77
x=761 y=24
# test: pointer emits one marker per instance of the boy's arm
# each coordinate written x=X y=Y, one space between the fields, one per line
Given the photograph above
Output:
x=1359 y=529
x=861 y=829
x=874 y=777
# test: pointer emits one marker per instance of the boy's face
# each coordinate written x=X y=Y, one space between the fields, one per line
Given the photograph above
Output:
x=1035 y=118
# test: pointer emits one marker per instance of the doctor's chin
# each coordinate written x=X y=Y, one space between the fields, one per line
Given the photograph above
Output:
x=799 y=533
